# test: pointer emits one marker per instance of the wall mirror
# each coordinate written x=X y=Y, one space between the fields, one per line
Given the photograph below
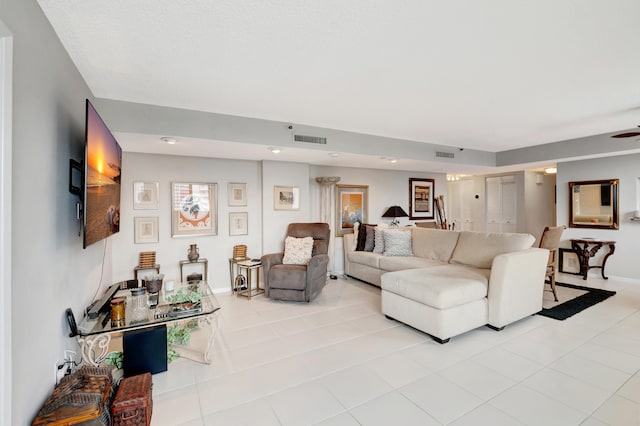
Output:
x=593 y=204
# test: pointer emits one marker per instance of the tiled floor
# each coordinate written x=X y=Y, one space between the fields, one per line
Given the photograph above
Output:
x=338 y=361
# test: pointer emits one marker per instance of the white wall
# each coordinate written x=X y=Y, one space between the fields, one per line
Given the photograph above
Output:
x=169 y=251
x=50 y=270
x=275 y=222
x=623 y=263
x=540 y=208
x=386 y=188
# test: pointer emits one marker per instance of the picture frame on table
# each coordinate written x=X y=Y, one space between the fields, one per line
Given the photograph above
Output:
x=421 y=198
x=194 y=209
x=352 y=203
x=237 y=194
x=145 y=230
x=145 y=195
x=568 y=261
x=286 y=198
x=238 y=223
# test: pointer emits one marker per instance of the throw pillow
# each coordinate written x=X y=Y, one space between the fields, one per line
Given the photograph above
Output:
x=378 y=246
x=356 y=227
x=397 y=243
x=297 y=251
x=370 y=240
x=362 y=236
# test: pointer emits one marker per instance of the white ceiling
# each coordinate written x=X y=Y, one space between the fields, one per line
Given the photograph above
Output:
x=487 y=75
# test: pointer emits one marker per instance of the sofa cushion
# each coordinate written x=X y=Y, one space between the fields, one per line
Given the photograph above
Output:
x=435 y=244
x=297 y=251
x=397 y=243
x=478 y=249
x=399 y=263
x=362 y=236
x=365 y=258
x=378 y=246
x=440 y=287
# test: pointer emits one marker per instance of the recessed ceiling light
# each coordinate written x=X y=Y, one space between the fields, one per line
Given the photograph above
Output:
x=170 y=141
x=274 y=150
x=551 y=170
x=334 y=154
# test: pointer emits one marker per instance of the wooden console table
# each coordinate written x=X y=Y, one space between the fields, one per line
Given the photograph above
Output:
x=586 y=248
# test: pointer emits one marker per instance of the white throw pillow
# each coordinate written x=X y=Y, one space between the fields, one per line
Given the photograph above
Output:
x=397 y=243
x=356 y=227
x=297 y=251
x=378 y=247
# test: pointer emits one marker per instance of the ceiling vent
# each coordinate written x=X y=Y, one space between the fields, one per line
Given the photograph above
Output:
x=310 y=139
x=442 y=154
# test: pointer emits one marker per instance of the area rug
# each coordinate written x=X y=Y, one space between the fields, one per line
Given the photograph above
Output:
x=572 y=300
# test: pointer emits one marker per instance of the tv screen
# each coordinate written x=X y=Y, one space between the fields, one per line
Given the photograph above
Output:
x=102 y=167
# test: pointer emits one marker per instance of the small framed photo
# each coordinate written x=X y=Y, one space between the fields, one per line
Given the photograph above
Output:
x=145 y=230
x=237 y=193
x=351 y=206
x=420 y=198
x=238 y=223
x=194 y=209
x=145 y=195
x=568 y=261
x=286 y=198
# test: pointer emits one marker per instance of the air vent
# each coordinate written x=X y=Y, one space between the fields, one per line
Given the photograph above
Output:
x=441 y=154
x=310 y=139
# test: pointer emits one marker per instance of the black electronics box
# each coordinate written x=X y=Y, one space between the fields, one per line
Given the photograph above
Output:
x=145 y=351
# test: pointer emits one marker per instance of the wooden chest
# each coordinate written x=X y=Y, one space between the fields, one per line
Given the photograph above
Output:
x=81 y=398
x=133 y=403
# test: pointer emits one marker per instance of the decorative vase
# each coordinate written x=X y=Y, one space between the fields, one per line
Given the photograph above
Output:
x=193 y=254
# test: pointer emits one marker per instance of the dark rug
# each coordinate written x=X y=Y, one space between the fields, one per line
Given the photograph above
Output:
x=571 y=307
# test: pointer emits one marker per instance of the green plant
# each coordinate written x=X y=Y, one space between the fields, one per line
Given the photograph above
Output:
x=114 y=359
x=179 y=335
x=184 y=295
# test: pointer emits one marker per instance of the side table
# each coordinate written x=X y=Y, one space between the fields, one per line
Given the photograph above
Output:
x=250 y=266
x=189 y=263
x=589 y=248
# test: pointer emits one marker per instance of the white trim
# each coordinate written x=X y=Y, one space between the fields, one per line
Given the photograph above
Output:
x=6 y=80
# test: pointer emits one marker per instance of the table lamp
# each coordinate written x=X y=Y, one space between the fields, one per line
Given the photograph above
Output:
x=395 y=212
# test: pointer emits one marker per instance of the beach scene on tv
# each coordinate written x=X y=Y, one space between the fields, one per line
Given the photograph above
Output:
x=104 y=160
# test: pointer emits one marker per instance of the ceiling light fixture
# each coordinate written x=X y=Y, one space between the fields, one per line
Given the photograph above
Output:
x=170 y=141
x=551 y=170
x=274 y=150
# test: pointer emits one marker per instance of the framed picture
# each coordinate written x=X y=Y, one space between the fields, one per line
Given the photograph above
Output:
x=351 y=207
x=238 y=223
x=420 y=198
x=237 y=194
x=145 y=195
x=286 y=198
x=194 y=209
x=145 y=230
x=569 y=262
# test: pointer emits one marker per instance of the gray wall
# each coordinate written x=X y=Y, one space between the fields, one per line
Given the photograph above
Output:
x=50 y=270
x=626 y=168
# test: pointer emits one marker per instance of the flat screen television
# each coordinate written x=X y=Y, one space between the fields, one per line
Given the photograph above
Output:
x=101 y=182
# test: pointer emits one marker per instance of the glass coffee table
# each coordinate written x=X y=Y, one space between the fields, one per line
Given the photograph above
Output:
x=94 y=335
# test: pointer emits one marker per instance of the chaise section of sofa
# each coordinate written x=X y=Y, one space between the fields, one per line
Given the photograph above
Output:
x=456 y=281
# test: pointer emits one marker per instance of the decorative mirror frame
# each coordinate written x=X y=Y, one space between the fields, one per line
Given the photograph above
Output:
x=594 y=221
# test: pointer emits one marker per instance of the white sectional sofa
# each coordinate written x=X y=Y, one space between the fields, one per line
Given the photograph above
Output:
x=455 y=281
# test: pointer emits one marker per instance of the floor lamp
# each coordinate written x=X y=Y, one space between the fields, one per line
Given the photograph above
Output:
x=327 y=209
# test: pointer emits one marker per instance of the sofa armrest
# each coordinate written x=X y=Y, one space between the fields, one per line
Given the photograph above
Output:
x=317 y=271
x=516 y=285
x=268 y=260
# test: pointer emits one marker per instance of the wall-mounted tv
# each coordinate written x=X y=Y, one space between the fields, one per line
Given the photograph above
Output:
x=101 y=188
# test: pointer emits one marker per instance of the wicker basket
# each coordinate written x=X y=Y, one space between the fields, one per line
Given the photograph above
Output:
x=240 y=252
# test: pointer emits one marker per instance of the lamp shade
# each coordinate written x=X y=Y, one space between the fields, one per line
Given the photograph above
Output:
x=395 y=211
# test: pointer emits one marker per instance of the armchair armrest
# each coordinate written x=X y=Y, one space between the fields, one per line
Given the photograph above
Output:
x=516 y=285
x=269 y=260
